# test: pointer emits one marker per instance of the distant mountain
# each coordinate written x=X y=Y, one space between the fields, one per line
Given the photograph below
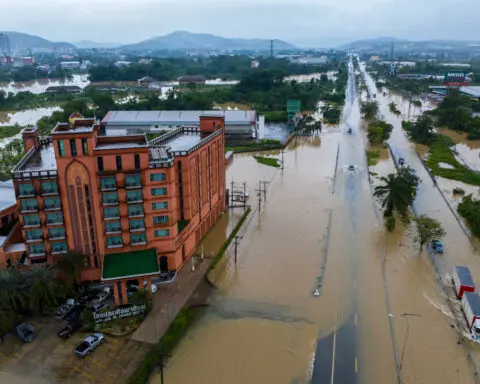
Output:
x=385 y=43
x=202 y=41
x=93 y=44
x=19 y=41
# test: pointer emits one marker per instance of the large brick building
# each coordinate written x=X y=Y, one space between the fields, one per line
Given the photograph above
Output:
x=134 y=208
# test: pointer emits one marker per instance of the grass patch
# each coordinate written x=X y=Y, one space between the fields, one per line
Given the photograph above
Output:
x=9 y=131
x=372 y=157
x=165 y=346
x=440 y=152
x=270 y=161
x=261 y=145
x=222 y=250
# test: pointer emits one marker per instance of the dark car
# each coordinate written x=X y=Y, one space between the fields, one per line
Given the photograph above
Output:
x=349 y=130
x=69 y=330
x=437 y=246
x=73 y=314
x=25 y=332
x=88 y=296
x=401 y=161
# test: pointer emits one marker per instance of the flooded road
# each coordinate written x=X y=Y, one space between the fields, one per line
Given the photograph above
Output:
x=316 y=230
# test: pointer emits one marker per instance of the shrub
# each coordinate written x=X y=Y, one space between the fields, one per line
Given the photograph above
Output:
x=390 y=223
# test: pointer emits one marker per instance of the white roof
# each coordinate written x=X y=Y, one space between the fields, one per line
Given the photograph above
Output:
x=7 y=195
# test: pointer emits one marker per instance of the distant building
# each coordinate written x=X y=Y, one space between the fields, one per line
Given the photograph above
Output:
x=44 y=68
x=191 y=79
x=57 y=89
x=144 y=61
x=122 y=63
x=255 y=64
x=70 y=64
x=27 y=60
x=146 y=81
x=375 y=58
x=4 y=44
x=310 y=60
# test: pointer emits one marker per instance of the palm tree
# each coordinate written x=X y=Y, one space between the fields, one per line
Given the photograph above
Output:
x=7 y=318
x=43 y=290
x=395 y=195
x=13 y=289
x=70 y=264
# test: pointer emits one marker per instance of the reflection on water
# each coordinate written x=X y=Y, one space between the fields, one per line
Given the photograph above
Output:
x=39 y=86
x=27 y=117
x=275 y=131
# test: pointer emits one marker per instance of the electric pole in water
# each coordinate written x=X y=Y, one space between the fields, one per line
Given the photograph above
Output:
x=259 y=195
x=161 y=365
x=264 y=189
x=235 y=242
x=282 y=160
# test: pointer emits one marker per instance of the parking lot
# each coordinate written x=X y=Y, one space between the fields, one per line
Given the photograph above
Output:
x=49 y=359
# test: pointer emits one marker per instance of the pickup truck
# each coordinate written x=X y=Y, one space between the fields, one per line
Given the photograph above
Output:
x=89 y=344
x=69 y=330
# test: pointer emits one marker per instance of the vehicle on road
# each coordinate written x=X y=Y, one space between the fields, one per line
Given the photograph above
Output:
x=88 y=345
x=462 y=280
x=349 y=130
x=401 y=161
x=374 y=95
x=64 y=308
x=351 y=167
x=69 y=329
x=102 y=295
x=471 y=310
x=25 y=332
x=436 y=246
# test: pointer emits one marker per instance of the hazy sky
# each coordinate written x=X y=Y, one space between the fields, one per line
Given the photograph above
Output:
x=307 y=22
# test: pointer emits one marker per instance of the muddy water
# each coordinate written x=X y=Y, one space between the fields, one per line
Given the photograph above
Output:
x=26 y=117
x=317 y=229
x=422 y=321
x=39 y=86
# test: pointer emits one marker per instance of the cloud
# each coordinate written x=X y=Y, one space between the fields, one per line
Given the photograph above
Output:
x=129 y=21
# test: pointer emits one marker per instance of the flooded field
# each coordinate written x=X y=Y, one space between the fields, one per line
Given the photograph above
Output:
x=27 y=117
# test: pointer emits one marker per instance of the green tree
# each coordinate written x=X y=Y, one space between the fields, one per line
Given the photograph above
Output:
x=43 y=292
x=428 y=229
x=13 y=289
x=369 y=109
x=378 y=131
x=394 y=194
x=422 y=131
x=70 y=264
x=411 y=180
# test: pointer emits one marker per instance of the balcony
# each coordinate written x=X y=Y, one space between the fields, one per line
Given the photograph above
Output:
x=35 y=239
x=57 y=236
x=49 y=192
x=29 y=209
x=133 y=214
x=133 y=182
x=108 y=202
x=137 y=228
x=134 y=199
x=133 y=244
x=59 y=251
x=108 y=187
x=32 y=224
x=29 y=193
x=54 y=222
x=115 y=244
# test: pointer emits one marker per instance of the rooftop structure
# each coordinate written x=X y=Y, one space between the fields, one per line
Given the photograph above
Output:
x=191 y=79
x=134 y=208
x=240 y=124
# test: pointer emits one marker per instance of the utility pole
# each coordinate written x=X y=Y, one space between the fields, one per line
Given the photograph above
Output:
x=231 y=193
x=271 y=48
x=244 y=195
x=264 y=189
x=283 y=151
x=259 y=195
x=235 y=242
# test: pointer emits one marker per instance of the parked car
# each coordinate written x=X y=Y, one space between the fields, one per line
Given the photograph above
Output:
x=436 y=246
x=64 y=308
x=69 y=329
x=102 y=295
x=88 y=345
x=134 y=287
x=87 y=296
x=73 y=314
x=25 y=332
x=401 y=161
x=94 y=307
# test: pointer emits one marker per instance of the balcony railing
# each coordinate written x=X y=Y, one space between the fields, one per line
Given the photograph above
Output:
x=37 y=254
x=108 y=187
x=34 y=239
x=26 y=193
x=49 y=192
x=134 y=199
x=58 y=251
x=136 y=214
x=143 y=242
x=54 y=222
x=117 y=244
x=113 y=230
x=133 y=185
x=31 y=224
x=57 y=236
x=137 y=228
x=29 y=209
x=52 y=207
x=110 y=202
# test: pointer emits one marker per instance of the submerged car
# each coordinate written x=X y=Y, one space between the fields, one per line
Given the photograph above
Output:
x=436 y=246
x=25 y=332
x=351 y=167
x=349 y=130
x=401 y=161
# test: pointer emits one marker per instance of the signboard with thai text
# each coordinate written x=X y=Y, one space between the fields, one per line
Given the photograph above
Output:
x=118 y=313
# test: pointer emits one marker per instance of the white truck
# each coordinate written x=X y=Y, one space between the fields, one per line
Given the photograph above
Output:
x=471 y=310
x=89 y=344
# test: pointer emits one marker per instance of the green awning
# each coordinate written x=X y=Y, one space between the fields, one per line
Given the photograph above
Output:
x=130 y=264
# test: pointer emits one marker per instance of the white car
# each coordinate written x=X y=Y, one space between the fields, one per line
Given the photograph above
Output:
x=89 y=344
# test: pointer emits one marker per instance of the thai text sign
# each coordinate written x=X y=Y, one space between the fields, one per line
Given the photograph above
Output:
x=119 y=313
x=454 y=77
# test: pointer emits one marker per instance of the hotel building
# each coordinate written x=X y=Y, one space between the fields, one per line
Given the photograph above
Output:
x=134 y=208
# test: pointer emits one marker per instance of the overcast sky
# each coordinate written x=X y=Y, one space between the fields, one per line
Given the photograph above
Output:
x=306 y=22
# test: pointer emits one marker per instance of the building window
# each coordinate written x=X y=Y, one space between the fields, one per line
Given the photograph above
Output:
x=85 y=147
x=55 y=218
x=134 y=196
x=137 y=224
x=108 y=182
x=135 y=210
x=36 y=234
x=110 y=197
x=29 y=205
x=158 y=177
x=159 y=205
x=113 y=226
x=31 y=220
x=26 y=190
x=138 y=238
x=61 y=148
x=37 y=249
x=159 y=191
x=133 y=181
x=49 y=187
x=73 y=147
x=59 y=247
x=56 y=233
x=109 y=213
x=160 y=219
x=52 y=203
x=162 y=233
x=114 y=241
x=100 y=164
x=118 y=160
x=137 y=161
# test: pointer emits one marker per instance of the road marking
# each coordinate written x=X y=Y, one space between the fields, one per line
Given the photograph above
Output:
x=334 y=347
x=88 y=376
x=356 y=365
x=1 y=354
x=96 y=362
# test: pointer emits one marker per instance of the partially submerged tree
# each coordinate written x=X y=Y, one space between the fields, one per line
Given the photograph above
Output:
x=428 y=229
